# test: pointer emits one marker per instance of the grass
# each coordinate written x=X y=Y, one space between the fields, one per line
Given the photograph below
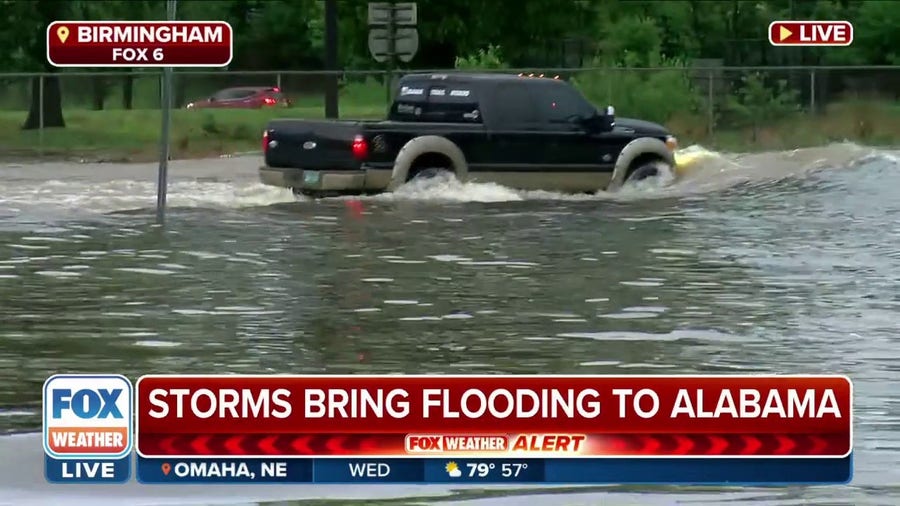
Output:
x=120 y=135
x=134 y=135
x=868 y=122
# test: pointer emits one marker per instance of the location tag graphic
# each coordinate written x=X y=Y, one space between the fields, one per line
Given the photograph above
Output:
x=63 y=33
x=166 y=468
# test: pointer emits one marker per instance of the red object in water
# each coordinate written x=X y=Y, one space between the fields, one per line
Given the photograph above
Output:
x=355 y=207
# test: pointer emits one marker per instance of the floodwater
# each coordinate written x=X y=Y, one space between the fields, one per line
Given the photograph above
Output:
x=766 y=263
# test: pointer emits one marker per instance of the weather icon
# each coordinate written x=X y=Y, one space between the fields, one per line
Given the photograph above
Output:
x=453 y=470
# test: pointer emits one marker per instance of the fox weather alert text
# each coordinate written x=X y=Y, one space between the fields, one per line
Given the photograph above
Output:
x=87 y=428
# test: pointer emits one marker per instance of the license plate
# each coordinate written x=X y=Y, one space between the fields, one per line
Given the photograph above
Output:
x=311 y=176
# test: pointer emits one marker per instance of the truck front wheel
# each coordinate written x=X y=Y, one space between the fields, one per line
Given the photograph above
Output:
x=643 y=172
x=644 y=166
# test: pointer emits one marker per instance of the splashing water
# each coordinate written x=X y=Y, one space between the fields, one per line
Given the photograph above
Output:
x=232 y=182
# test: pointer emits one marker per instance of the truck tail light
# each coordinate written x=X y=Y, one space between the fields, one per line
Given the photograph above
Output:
x=360 y=147
x=265 y=141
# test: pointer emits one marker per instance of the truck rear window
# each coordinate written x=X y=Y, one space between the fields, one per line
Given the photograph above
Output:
x=437 y=103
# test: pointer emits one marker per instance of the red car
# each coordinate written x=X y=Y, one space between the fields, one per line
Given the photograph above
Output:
x=243 y=98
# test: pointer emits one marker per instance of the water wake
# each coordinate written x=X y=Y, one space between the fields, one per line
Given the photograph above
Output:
x=699 y=170
x=43 y=189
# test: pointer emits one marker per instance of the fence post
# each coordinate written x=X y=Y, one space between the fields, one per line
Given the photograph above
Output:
x=388 y=84
x=41 y=115
x=278 y=81
x=389 y=79
x=609 y=85
x=710 y=107
x=812 y=91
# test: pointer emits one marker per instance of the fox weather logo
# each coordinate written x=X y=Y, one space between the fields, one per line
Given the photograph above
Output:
x=87 y=416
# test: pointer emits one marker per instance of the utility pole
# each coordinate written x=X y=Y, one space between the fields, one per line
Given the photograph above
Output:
x=331 y=57
x=391 y=49
x=162 y=180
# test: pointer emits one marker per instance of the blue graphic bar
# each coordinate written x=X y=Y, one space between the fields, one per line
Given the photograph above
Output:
x=730 y=471
x=87 y=470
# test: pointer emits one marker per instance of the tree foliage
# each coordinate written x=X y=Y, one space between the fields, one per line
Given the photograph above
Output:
x=758 y=104
x=288 y=34
x=490 y=57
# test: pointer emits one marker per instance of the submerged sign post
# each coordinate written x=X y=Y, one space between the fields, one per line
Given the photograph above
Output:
x=143 y=44
x=162 y=184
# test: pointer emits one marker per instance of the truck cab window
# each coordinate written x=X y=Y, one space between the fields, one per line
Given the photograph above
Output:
x=513 y=105
x=559 y=103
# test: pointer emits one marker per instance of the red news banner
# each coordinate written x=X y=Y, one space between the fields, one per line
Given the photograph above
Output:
x=494 y=416
x=139 y=43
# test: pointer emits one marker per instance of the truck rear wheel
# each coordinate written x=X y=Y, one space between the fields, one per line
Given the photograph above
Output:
x=427 y=152
x=429 y=173
x=429 y=166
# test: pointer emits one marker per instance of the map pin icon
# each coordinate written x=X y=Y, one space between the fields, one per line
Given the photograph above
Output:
x=63 y=33
x=166 y=468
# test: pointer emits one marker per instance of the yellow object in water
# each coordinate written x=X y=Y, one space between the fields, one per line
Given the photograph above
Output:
x=685 y=161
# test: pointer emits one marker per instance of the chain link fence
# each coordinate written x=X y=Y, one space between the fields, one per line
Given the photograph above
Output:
x=698 y=103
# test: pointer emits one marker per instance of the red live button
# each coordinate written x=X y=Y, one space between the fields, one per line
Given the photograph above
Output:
x=810 y=33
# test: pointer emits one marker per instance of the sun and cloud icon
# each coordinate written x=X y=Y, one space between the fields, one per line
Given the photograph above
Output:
x=453 y=470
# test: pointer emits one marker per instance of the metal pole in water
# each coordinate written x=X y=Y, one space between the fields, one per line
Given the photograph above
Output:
x=162 y=182
x=41 y=114
x=392 y=48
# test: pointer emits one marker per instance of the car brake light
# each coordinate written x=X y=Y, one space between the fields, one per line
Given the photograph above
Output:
x=269 y=101
x=360 y=147
x=265 y=141
x=276 y=89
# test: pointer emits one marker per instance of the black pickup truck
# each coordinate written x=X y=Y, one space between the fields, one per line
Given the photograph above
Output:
x=530 y=133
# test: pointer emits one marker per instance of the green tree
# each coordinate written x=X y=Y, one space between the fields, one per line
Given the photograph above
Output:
x=288 y=34
x=876 y=38
x=281 y=34
x=93 y=10
x=490 y=57
x=758 y=104
x=26 y=43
